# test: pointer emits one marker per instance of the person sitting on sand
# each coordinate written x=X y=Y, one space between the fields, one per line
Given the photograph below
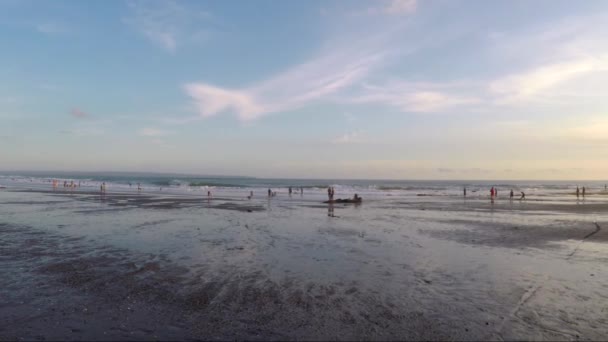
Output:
x=523 y=196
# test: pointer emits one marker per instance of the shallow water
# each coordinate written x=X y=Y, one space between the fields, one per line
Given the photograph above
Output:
x=432 y=267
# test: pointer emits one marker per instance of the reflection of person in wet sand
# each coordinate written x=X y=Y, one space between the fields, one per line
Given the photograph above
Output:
x=330 y=210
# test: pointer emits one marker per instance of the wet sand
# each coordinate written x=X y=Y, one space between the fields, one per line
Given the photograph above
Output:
x=125 y=266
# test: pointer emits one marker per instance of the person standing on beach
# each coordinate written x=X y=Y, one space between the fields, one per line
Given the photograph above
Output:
x=269 y=192
x=584 y=191
x=465 y=192
x=523 y=196
x=492 y=192
x=578 y=192
x=290 y=191
x=329 y=193
x=511 y=195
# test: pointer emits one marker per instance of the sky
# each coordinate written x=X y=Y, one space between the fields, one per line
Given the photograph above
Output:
x=383 y=89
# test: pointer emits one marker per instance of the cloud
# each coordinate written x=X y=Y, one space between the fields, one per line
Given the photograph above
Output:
x=168 y=24
x=417 y=97
x=445 y=170
x=77 y=113
x=317 y=79
x=524 y=85
x=153 y=132
x=51 y=28
x=83 y=131
x=400 y=7
x=348 y=138
x=389 y=7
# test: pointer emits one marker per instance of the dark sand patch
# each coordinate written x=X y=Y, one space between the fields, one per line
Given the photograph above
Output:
x=517 y=236
x=73 y=289
x=238 y=207
x=146 y=201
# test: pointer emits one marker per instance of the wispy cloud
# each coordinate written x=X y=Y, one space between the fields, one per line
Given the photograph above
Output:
x=153 y=132
x=85 y=131
x=334 y=70
x=78 y=113
x=51 y=28
x=389 y=7
x=400 y=7
x=417 y=97
x=290 y=90
x=168 y=24
x=348 y=138
x=522 y=86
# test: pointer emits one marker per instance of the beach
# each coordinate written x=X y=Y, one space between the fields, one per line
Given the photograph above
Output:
x=407 y=263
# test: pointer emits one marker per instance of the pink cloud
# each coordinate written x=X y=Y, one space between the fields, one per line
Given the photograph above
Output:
x=77 y=113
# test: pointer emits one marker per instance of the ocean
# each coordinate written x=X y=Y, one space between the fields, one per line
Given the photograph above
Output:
x=242 y=186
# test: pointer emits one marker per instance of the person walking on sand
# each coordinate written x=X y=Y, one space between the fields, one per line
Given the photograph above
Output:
x=329 y=193
x=511 y=195
x=578 y=192
x=492 y=192
x=465 y=192
x=523 y=196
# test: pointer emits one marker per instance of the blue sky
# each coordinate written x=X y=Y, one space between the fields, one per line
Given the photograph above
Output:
x=399 y=89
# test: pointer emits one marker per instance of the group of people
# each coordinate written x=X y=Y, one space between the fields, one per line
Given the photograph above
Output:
x=70 y=185
x=494 y=194
x=578 y=191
